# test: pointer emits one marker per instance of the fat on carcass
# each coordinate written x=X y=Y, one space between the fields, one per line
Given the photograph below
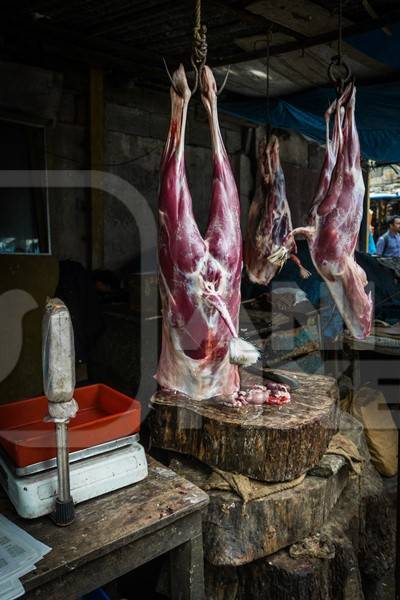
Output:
x=268 y=244
x=335 y=218
x=199 y=277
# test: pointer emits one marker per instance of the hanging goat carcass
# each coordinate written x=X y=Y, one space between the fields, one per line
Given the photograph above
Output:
x=199 y=277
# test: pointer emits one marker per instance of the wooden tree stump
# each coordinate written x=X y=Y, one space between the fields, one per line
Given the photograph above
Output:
x=361 y=531
x=237 y=532
x=267 y=443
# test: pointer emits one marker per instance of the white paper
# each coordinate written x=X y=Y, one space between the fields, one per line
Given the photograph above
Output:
x=19 y=552
x=8 y=526
x=11 y=589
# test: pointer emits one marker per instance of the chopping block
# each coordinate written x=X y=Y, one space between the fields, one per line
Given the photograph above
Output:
x=267 y=443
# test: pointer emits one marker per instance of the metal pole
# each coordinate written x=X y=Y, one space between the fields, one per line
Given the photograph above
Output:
x=64 y=507
x=64 y=492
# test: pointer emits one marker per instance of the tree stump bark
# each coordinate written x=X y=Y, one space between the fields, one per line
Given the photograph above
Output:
x=267 y=443
x=359 y=528
x=236 y=533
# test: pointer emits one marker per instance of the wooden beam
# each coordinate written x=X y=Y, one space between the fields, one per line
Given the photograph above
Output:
x=258 y=21
x=317 y=40
x=96 y=164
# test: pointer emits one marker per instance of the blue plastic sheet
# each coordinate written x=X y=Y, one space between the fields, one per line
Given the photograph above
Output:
x=377 y=116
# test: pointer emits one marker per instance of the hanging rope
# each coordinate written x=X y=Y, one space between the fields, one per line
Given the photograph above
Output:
x=199 y=45
x=199 y=52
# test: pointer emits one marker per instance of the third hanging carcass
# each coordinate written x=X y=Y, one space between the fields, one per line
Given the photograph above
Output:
x=335 y=218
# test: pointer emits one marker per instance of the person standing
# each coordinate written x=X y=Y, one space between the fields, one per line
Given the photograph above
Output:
x=389 y=243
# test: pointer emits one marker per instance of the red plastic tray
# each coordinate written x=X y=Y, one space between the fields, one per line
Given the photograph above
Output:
x=104 y=415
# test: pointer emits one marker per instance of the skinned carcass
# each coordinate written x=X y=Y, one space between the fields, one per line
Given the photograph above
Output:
x=199 y=277
x=336 y=215
x=268 y=244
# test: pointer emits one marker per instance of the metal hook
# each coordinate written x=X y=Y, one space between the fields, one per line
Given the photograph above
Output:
x=339 y=82
x=197 y=71
x=172 y=81
x=170 y=77
x=221 y=89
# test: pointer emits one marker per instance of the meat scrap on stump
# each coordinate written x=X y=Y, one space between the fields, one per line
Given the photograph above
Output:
x=268 y=244
x=200 y=277
x=336 y=215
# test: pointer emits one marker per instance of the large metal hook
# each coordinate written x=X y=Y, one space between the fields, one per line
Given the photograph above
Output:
x=197 y=74
x=337 y=64
x=170 y=77
x=222 y=87
x=196 y=81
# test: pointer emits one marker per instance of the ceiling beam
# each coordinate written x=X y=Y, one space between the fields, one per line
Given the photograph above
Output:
x=258 y=21
x=309 y=42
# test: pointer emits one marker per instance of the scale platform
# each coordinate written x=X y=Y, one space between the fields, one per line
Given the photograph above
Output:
x=93 y=471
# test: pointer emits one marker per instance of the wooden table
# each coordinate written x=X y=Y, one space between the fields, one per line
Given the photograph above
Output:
x=116 y=533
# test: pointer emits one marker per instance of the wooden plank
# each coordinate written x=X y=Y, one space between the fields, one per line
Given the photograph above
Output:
x=259 y=20
x=96 y=164
x=316 y=40
x=281 y=442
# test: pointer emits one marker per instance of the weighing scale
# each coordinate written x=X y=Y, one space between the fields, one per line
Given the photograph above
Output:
x=37 y=471
x=93 y=472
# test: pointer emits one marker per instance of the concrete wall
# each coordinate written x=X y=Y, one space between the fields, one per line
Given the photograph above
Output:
x=385 y=179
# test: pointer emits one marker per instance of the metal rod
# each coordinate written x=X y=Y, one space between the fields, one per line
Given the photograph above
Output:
x=64 y=490
x=268 y=77
x=340 y=31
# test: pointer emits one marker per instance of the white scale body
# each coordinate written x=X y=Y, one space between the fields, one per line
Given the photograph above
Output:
x=93 y=472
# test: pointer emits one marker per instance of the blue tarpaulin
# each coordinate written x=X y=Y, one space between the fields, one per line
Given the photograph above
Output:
x=377 y=116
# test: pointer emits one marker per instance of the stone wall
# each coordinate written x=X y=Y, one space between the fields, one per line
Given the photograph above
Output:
x=136 y=123
x=68 y=148
x=136 y=127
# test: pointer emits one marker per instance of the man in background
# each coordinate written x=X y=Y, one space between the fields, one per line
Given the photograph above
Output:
x=389 y=243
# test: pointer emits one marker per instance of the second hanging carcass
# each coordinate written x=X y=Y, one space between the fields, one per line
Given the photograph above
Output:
x=268 y=242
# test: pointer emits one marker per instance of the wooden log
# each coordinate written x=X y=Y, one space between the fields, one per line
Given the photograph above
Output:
x=236 y=533
x=267 y=443
x=360 y=531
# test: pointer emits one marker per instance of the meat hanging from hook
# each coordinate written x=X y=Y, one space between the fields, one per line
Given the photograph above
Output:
x=198 y=58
